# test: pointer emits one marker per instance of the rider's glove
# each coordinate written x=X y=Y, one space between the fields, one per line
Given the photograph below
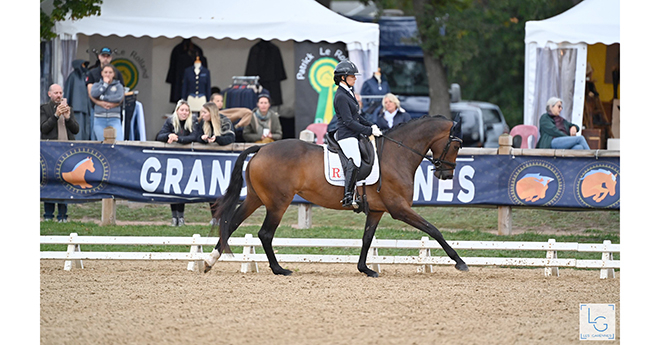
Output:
x=376 y=131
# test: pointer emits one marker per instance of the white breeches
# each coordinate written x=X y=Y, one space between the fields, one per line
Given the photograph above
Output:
x=351 y=150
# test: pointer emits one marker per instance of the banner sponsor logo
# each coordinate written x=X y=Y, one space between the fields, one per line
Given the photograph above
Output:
x=536 y=182
x=597 y=185
x=83 y=170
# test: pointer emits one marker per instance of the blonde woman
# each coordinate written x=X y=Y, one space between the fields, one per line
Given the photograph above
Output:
x=178 y=128
x=392 y=114
x=214 y=127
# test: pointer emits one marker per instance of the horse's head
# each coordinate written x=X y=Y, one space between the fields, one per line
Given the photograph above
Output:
x=610 y=183
x=445 y=150
x=89 y=164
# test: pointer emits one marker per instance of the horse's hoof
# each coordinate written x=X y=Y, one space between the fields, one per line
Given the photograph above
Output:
x=283 y=272
x=462 y=267
x=207 y=267
x=370 y=273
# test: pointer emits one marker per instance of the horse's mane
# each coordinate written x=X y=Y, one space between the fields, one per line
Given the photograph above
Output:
x=412 y=122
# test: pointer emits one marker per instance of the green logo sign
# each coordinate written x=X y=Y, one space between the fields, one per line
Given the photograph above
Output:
x=321 y=77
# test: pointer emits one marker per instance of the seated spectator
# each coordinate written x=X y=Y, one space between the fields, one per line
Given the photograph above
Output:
x=391 y=114
x=178 y=128
x=214 y=127
x=109 y=94
x=557 y=132
x=265 y=125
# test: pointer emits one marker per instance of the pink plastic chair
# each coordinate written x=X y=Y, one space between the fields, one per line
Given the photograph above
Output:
x=319 y=129
x=525 y=132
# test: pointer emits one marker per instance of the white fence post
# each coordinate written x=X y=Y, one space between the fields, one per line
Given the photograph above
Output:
x=551 y=254
x=249 y=266
x=425 y=252
x=607 y=256
x=196 y=248
x=305 y=210
x=71 y=248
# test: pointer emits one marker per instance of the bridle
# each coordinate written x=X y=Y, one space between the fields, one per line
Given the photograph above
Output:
x=440 y=162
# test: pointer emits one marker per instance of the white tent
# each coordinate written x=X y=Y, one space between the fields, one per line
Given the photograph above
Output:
x=222 y=25
x=297 y=20
x=556 y=56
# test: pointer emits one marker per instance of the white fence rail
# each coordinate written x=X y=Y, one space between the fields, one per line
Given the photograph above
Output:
x=74 y=255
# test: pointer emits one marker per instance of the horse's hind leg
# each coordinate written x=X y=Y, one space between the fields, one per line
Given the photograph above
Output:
x=249 y=205
x=266 y=234
x=407 y=215
x=369 y=230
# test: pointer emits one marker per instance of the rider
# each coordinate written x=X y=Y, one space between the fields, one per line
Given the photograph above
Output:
x=349 y=126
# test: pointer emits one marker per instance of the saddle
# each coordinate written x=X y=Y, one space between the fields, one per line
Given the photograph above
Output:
x=367 y=153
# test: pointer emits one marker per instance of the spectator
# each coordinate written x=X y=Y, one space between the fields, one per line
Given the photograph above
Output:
x=557 y=132
x=392 y=114
x=94 y=76
x=178 y=128
x=265 y=125
x=214 y=128
x=57 y=123
x=108 y=94
x=218 y=99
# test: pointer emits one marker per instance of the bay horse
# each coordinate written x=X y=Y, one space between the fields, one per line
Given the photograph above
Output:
x=281 y=169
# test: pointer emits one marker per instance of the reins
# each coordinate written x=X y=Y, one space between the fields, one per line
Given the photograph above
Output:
x=437 y=163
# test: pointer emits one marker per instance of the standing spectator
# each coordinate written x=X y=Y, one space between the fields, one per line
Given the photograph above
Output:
x=214 y=128
x=392 y=114
x=93 y=76
x=178 y=128
x=57 y=123
x=108 y=94
x=557 y=132
x=265 y=125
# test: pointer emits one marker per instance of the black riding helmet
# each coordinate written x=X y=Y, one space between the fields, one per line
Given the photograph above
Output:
x=343 y=69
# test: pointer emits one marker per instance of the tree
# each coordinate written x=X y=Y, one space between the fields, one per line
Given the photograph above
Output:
x=478 y=44
x=64 y=9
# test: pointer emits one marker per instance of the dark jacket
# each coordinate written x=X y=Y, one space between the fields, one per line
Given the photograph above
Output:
x=196 y=84
x=399 y=117
x=227 y=128
x=265 y=61
x=349 y=122
x=548 y=130
x=183 y=56
x=49 y=123
x=185 y=136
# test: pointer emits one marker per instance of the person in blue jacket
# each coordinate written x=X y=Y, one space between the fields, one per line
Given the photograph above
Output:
x=350 y=125
x=392 y=114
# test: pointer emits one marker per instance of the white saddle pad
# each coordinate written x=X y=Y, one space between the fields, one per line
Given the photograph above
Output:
x=334 y=173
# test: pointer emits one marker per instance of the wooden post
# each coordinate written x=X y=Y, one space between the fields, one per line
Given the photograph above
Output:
x=305 y=210
x=109 y=206
x=551 y=254
x=607 y=256
x=504 y=216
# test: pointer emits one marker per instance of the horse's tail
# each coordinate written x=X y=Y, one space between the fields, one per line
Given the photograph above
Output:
x=225 y=206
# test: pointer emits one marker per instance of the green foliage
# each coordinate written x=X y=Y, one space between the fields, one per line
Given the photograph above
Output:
x=483 y=45
x=67 y=9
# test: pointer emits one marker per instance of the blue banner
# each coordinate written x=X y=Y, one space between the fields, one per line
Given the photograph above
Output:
x=86 y=171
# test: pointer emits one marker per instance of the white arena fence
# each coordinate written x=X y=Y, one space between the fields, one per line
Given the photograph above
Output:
x=249 y=260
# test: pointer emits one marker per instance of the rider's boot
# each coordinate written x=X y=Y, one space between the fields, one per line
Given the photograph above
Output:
x=350 y=176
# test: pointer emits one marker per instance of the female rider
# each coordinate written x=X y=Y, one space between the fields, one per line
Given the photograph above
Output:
x=349 y=126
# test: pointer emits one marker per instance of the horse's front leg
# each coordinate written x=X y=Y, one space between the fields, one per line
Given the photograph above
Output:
x=406 y=214
x=369 y=230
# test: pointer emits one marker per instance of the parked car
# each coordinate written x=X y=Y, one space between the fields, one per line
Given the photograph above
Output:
x=482 y=123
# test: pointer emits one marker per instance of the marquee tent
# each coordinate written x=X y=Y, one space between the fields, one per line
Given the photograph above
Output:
x=556 y=56
x=298 y=20
x=225 y=29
